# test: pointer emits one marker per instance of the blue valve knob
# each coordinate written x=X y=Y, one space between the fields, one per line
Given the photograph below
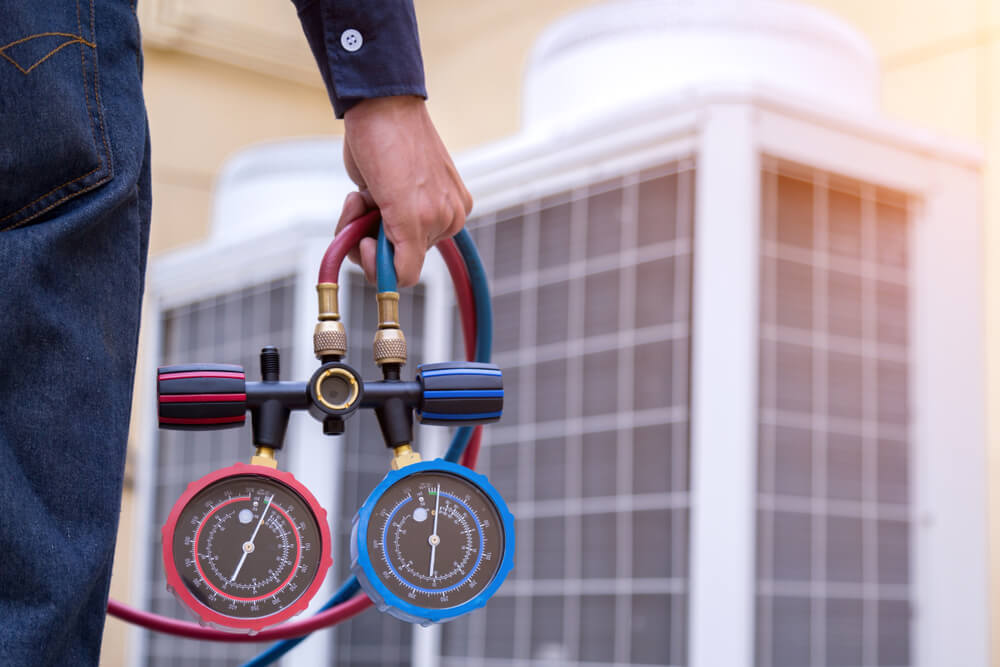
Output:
x=459 y=393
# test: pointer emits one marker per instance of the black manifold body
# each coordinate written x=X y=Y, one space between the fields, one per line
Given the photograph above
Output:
x=214 y=396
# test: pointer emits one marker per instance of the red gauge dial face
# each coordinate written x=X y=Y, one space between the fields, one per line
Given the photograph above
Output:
x=246 y=550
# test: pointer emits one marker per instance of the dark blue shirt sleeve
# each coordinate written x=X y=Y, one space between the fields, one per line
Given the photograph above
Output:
x=364 y=48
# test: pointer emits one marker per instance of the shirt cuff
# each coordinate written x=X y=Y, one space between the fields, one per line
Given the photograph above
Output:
x=364 y=49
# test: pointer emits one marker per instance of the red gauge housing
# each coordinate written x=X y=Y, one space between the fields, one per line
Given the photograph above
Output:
x=246 y=547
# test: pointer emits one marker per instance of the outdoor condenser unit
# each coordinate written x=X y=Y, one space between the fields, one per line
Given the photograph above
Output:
x=740 y=318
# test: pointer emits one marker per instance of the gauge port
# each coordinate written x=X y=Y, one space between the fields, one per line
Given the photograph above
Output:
x=337 y=389
x=334 y=391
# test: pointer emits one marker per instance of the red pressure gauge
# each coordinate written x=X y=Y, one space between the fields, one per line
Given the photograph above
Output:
x=246 y=547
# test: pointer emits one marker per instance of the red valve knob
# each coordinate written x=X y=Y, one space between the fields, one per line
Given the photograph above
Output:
x=201 y=396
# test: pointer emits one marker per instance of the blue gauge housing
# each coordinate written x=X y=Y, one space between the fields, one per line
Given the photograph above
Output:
x=367 y=572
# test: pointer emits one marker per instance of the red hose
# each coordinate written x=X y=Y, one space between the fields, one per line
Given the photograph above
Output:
x=349 y=236
x=341 y=612
x=329 y=271
x=471 y=454
x=466 y=306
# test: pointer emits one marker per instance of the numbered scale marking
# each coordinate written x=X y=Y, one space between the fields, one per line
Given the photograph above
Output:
x=246 y=547
x=432 y=542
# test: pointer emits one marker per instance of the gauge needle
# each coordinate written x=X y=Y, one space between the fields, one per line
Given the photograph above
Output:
x=248 y=545
x=434 y=539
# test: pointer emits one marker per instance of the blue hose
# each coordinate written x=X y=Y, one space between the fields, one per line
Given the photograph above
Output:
x=386 y=282
x=484 y=327
x=481 y=295
x=385 y=269
x=343 y=594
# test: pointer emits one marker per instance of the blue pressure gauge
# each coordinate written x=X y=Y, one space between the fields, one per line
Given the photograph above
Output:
x=433 y=541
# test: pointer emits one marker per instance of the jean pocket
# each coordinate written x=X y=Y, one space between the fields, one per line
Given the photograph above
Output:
x=53 y=143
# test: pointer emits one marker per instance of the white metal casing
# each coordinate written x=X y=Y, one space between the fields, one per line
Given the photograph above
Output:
x=604 y=59
x=777 y=102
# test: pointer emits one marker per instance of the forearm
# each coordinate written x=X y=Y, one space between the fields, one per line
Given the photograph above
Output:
x=368 y=52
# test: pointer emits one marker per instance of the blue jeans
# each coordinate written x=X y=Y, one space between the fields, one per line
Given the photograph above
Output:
x=74 y=228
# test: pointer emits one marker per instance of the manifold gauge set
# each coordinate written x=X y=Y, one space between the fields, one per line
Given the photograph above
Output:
x=248 y=546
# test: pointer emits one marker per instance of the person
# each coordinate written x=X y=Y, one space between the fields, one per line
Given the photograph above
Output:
x=74 y=229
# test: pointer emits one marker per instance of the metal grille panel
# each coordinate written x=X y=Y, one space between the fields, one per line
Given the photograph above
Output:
x=833 y=520
x=592 y=308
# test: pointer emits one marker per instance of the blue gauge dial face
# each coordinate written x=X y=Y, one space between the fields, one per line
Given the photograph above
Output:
x=435 y=539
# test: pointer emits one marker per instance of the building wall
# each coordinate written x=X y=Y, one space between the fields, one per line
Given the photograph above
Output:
x=214 y=86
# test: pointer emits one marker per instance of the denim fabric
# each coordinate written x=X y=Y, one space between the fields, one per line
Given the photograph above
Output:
x=74 y=224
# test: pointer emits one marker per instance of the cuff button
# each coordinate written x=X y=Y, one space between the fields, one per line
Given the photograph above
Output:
x=351 y=40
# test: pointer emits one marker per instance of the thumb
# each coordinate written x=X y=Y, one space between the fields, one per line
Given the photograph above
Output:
x=366 y=257
x=409 y=253
x=408 y=262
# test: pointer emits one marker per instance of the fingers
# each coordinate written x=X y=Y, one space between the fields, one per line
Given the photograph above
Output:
x=416 y=229
x=366 y=250
x=355 y=205
x=410 y=243
x=411 y=236
x=465 y=197
x=450 y=221
x=408 y=261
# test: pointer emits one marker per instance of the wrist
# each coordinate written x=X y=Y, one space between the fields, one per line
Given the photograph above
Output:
x=387 y=107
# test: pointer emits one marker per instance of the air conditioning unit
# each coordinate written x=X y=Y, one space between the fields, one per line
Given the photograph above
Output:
x=740 y=316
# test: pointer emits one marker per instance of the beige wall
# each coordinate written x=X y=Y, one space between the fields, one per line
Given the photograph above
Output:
x=211 y=92
x=200 y=113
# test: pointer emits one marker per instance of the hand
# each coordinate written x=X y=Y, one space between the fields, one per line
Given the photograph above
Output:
x=395 y=156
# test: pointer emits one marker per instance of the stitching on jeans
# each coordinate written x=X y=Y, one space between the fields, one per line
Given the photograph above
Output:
x=107 y=153
x=60 y=201
x=97 y=91
x=73 y=39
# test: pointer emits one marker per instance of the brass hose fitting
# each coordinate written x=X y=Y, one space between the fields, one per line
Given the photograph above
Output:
x=403 y=456
x=330 y=336
x=389 y=346
x=264 y=457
